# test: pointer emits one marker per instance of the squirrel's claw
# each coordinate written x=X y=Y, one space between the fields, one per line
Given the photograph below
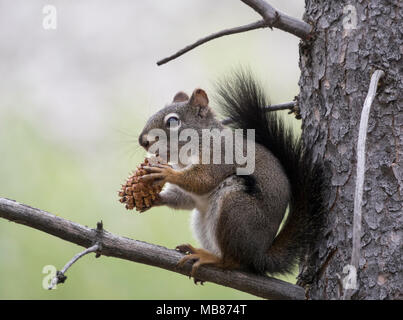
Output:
x=152 y=169
x=198 y=280
x=159 y=173
x=186 y=258
x=195 y=266
x=185 y=248
x=151 y=177
x=199 y=257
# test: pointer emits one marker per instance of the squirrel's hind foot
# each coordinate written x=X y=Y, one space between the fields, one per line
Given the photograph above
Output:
x=185 y=248
x=199 y=257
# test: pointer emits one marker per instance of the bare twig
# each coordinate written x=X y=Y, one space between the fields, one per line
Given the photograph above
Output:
x=226 y=32
x=272 y=18
x=281 y=106
x=142 y=252
x=274 y=107
x=360 y=175
x=60 y=276
x=280 y=20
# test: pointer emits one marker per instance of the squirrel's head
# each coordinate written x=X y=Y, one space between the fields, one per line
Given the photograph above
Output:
x=183 y=113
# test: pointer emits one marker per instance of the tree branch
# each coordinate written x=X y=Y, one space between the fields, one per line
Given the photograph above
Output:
x=226 y=32
x=273 y=107
x=142 y=252
x=60 y=277
x=272 y=18
x=280 y=20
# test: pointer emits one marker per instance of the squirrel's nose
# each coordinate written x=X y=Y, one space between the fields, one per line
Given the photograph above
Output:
x=143 y=141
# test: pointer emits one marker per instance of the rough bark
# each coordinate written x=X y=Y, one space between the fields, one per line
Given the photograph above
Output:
x=336 y=67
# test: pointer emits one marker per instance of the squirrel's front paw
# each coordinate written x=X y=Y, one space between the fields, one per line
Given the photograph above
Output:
x=159 y=173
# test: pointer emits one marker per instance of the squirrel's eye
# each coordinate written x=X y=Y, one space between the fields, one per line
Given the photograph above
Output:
x=172 y=122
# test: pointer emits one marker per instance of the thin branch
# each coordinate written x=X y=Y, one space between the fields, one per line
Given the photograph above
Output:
x=274 y=107
x=142 y=252
x=272 y=18
x=360 y=175
x=226 y=32
x=280 y=20
x=60 y=276
x=281 y=106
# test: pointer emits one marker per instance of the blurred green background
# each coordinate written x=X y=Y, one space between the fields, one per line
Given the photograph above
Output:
x=72 y=102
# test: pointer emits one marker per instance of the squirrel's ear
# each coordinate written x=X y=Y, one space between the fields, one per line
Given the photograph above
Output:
x=199 y=98
x=180 y=97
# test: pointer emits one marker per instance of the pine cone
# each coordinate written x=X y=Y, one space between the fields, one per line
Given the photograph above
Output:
x=140 y=195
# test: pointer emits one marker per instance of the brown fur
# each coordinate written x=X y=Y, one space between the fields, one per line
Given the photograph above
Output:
x=236 y=218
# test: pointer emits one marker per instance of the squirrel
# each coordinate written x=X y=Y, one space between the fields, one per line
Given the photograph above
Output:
x=236 y=218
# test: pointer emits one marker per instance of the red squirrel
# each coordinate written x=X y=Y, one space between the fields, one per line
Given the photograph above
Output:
x=236 y=218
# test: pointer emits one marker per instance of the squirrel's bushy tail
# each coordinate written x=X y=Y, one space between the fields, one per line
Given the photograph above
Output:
x=243 y=100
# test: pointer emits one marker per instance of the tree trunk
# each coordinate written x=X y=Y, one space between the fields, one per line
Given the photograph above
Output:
x=352 y=39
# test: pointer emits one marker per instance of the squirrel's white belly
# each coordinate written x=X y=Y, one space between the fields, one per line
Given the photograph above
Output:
x=204 y=223
x=207 y=213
